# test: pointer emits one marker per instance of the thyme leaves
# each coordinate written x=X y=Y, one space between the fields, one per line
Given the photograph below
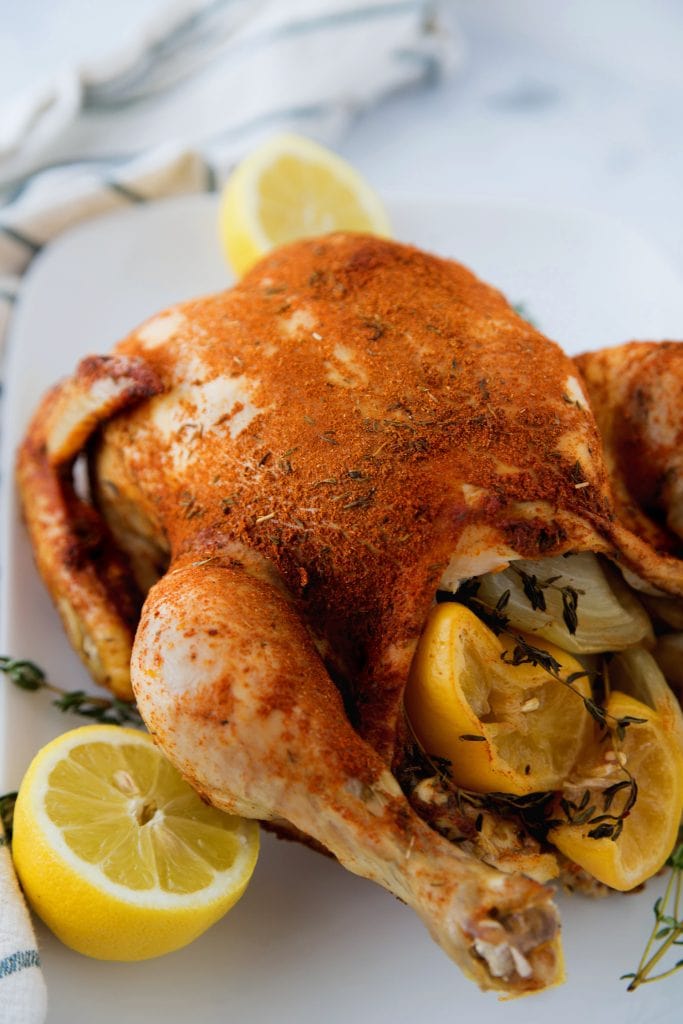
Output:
x=530 y=810
x=525 y=653
x=667 y=930
x=494 y=618
x=107 y=710
x=522 y=311
x=608 y=823
x=570 y=602
x=23 y=674
x=534 y=592
x=7 y=802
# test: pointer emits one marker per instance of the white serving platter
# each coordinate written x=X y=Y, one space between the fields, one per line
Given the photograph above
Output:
x=309 y=942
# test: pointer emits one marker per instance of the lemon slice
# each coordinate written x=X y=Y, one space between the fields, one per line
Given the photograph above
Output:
x=504 y=728
x=289 y=188
x=117 y=854
x=651 y=753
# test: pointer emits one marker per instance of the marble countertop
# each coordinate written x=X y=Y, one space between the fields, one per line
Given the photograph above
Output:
x=577 y=105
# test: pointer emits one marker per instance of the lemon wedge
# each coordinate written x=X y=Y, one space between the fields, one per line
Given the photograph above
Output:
x=290 y=188
x=651 y=753
x=117 y=853
x=504 y=728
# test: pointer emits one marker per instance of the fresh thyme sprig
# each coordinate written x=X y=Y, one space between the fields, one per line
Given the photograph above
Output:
x=667 y=929
x=520 y=309
x=533 y=810
x=525 y=653
x=108 y=710
x=533 y=590
x=530 y=809
x=606 y=825
x=7 y=802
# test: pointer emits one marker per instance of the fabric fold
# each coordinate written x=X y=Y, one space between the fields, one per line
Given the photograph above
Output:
x=23 y=996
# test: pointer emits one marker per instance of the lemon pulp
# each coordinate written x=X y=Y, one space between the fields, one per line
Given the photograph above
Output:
x=650 y=754
x=116 y=852
x=504 y=728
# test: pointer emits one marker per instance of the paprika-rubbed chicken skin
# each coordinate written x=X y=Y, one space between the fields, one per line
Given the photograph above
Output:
x=288 y=471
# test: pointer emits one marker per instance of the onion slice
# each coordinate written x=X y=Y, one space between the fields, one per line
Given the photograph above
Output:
x=578 y=602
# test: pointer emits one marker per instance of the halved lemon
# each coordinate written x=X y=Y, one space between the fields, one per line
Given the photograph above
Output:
x=117 y=854
x=290 y=188
x=651 y=753
x=504 y=728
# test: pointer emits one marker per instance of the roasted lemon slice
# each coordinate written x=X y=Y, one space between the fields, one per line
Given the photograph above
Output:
x=117 y=854
x=651 y=755
x=290 y=188
x=504 y=728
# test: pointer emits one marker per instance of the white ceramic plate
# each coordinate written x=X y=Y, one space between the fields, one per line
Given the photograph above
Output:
x=309 y=942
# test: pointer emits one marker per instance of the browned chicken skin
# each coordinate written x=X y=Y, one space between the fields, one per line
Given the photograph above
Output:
x=635 y=390
x=299 y=462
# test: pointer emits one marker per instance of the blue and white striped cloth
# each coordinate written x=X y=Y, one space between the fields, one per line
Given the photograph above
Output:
x=23 y=998
x=203 y=85
x=171 y=115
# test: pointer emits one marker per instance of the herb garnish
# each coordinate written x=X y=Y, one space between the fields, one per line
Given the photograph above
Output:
x=520 y=309
x=525 y=653
x=531 y=810
x=108 y=710
x=7 y=802
x=533 y=590
x=606 y=825
x=667 y=929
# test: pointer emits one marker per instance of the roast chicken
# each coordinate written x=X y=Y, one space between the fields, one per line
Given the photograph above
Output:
x=280 y=477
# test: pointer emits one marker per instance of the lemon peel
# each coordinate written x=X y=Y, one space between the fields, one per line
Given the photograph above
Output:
x=651 y=755
x=115 y=851
x=504 y=728
x=289 y=188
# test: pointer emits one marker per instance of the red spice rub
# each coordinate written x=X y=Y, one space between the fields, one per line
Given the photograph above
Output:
x=371 y=381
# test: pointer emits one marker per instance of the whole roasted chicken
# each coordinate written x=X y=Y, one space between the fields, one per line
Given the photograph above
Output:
x=281 y=476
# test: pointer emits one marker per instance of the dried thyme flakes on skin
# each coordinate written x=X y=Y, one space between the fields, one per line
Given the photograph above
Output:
x=107 y=710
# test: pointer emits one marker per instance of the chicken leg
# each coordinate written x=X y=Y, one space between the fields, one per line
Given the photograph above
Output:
x=229 y=680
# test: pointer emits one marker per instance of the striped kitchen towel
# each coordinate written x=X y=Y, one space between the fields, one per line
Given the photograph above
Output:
x=200 y=87
x=22 y=988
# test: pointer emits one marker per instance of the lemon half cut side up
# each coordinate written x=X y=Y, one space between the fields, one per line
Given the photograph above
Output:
x=117 y=853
